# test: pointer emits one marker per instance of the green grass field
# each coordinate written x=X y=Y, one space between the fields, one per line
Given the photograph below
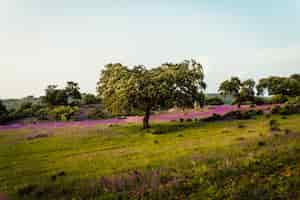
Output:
x=214 y=160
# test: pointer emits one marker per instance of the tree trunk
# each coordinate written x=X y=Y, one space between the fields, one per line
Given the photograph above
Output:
x=146 y=119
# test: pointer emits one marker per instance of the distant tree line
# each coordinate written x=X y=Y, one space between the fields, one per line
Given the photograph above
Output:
x=124 y=90
x=57 y=104
x=279 y=88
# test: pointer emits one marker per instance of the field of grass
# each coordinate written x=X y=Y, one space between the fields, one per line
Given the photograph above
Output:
x=190 y=160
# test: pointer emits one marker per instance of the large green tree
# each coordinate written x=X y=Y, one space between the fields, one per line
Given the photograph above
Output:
x=247 y=92
x=240 y=91
x=231 y=88
x=123 y=89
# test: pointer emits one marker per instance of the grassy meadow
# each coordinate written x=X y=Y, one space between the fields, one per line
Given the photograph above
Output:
x=241 y=159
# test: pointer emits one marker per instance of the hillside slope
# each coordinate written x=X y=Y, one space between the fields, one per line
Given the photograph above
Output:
x=215 y=160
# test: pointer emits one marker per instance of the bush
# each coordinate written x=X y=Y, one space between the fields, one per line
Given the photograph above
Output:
x=239 y=115
x=241 y=126
x=97 y=113
x=89 y=99
x=27 y=110
x=43 y=114
x=278 y=99
x=236 y=114
x=261 y=101
x=274 y=125
x=290 y=107
x=63 y=113
x=214 y=117
x=214 y=101
x=276 y=110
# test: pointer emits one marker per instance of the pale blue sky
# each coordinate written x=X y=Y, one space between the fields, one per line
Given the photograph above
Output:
x=52 y=41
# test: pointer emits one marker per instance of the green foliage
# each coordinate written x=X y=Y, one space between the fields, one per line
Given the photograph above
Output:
x=261 y=101
x=3 y=113
x=214 y=101
x=13 y=104
x=235 y=115
x=62 y=113
x=90 y=99
x=55 y=96
x=25 y=110
x=123 y=89
x=241 y=91
x=214 y=117
x=239 y=115
x=70 y=95
x=230 y=87
x=247 y=91
x=73 y=94
x=278 y=99
x=97 y=112
x=292 y=106
x=274 y=125
x=274 y=85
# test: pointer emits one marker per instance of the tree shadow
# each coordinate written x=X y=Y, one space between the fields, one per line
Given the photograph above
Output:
x=170 y=128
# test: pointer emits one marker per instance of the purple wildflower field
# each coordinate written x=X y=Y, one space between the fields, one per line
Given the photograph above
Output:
x=162 y=117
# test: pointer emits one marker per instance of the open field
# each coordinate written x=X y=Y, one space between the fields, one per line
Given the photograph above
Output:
x=190 y=160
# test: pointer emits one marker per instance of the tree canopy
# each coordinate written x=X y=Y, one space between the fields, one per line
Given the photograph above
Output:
x=123 y=89
x=68 y=96
x=241 y=91
x=275 y=85
x=3 y=113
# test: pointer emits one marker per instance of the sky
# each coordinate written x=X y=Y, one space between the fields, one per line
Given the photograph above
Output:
x=46 y=42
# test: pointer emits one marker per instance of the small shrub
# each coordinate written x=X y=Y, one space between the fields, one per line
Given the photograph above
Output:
x=181 y=120
x=225 y=131
x=287 y=131
x=278 y=99
x=62 y=173
x=250 y=114
x=260 y=101
x=268 y=115
x=189 y=120
x=27 y=190
x=275 y=110
x=237 y=114
x=214 y=117
x=63 y=113
x=241 y=126
x=252 y=106
x=259 y=112
x=274 y=125
x=241 y=138
x=261 y=143
x=214 y=101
